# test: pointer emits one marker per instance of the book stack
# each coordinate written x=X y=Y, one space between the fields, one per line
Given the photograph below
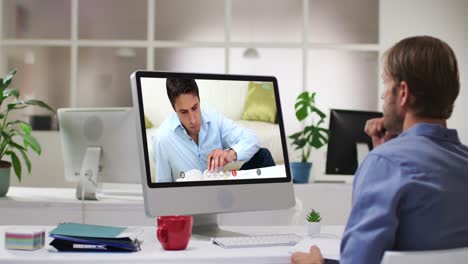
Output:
x=83 y=237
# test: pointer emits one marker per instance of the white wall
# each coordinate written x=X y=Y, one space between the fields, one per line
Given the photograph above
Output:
x=445 y=19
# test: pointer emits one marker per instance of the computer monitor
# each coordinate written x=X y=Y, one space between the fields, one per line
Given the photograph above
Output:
x=182 y=184
x=98 y=145
x=348 y=143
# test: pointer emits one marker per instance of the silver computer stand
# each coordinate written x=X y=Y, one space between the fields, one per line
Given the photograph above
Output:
x=88 y=184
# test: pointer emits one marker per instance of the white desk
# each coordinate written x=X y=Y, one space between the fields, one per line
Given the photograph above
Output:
x=197 y=251
x=49 y=206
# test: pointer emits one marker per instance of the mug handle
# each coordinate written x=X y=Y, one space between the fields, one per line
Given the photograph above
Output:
x=162 y=233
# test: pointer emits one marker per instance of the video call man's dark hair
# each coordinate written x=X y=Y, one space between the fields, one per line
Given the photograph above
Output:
x=429 y=66
x=178 y=86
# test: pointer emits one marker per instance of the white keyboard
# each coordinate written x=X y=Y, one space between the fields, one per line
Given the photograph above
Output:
x=257 y=241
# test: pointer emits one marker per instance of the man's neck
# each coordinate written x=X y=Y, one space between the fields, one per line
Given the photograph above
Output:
x=194 y=137
x=411 y=120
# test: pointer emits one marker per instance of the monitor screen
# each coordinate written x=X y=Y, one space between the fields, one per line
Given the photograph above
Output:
x=215 y=140
x=208 y=117
x=346 y=134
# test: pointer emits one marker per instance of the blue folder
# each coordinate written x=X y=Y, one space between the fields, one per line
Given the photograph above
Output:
x=83 y=237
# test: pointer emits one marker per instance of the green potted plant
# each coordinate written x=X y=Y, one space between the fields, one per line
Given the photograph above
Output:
x=312 y=136
x=15 y=135
x=313 y=222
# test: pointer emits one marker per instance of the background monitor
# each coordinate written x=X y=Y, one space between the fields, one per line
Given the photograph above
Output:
x=98 y=145
x=250 y=103
x=346 y=139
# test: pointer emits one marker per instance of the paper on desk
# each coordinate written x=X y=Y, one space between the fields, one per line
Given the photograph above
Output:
x=330 y=247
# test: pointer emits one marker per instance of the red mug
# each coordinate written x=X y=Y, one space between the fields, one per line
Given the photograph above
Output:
x=174 y=231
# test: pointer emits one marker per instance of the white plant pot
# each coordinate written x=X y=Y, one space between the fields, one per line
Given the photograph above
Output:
x=313 y=228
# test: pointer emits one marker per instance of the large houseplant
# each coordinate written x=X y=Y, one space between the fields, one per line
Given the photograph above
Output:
x=312 y=136
x=15 y=135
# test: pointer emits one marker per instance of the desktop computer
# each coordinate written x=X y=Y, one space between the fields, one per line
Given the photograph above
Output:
x=348 y=143
x=98 y=145
x=174 y=162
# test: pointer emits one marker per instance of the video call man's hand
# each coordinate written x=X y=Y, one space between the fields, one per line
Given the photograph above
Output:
x=219 y=157
x=376 y=130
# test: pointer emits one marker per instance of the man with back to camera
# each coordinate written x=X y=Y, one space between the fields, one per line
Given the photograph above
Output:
x=196 y=138
x=410 y=191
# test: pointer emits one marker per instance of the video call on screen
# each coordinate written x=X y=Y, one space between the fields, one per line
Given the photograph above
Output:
x=231 y=116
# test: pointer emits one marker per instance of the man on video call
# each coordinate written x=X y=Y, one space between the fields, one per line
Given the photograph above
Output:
x=203 y=139
x=410 y=192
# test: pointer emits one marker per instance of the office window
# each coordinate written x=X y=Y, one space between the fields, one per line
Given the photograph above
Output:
x=112 y=38
x=29 y=19
x=104 y=75
x=112 y=19
x=195 y=20
x=343 y=21
x=266 y=21
x=42 y=73
x=344 y=79
x=199 y=60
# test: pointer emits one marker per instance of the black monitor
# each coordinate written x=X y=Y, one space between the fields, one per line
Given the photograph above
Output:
x=346 y=131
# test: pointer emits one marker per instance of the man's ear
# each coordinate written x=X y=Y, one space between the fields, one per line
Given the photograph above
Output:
x=404 y=94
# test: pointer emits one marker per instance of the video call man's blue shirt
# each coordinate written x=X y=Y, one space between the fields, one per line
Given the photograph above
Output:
x=174 y=151
x=410 y=193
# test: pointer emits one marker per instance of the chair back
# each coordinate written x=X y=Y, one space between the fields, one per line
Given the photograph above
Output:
x=452 y=256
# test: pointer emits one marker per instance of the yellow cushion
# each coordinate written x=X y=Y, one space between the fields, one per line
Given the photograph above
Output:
x=148 y=123
x=260 y=104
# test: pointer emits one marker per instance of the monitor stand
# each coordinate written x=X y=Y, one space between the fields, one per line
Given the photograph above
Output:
x=88 y=184
x=205 y=226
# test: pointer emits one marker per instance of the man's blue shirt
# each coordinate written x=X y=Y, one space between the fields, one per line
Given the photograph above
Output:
x=410 y=193
x=174 y=151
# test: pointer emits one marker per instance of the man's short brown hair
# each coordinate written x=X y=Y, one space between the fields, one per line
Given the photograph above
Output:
x=429 y=66
x=178 y=86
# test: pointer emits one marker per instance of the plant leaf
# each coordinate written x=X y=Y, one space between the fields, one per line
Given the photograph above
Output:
x=18 y=146
x=300 y=143
x=16 y=164
x=25 y=127
x=313 y=216
x=11 y=123
x=303 y=104
x=295 y=135
x=40 y=104
x=6 y=135
x=8 y=79
x=320 y=113
x=30 y=141
x=316 y=137
x=26 y=160
x=16 y=105
x=10 y=91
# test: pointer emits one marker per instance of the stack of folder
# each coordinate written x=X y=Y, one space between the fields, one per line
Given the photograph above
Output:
x=83 y=237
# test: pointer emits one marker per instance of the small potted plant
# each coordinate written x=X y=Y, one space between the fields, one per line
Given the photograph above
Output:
x=15 y=135
x=313 y=222
x=312 y=136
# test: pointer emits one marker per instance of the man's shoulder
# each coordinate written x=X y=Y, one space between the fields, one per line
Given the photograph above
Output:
x=397 y=146
x=164 y=131
x=395 y=152
x=407 y=150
